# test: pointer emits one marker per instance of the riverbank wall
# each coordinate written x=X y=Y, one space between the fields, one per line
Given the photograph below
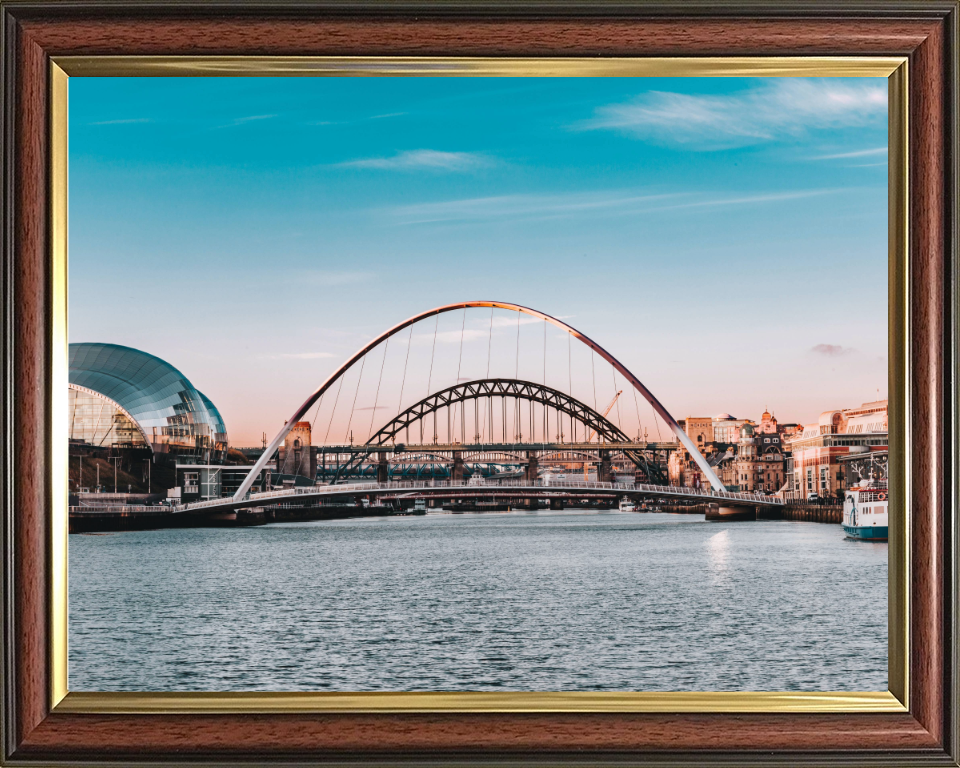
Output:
x=130 y=518
x=811 y=513
x=680 y=509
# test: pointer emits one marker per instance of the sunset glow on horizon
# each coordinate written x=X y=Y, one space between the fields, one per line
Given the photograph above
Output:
x=725 y=239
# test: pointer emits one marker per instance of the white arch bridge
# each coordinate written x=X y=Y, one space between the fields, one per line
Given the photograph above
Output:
x=574 y=423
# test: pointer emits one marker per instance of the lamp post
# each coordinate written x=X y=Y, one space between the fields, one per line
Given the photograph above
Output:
x=115 y=459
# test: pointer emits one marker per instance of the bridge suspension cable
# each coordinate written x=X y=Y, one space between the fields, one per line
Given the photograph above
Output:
x=618 y=391
x=595 y=349
x=337 y=400
x=376 y=399
x=355 y=393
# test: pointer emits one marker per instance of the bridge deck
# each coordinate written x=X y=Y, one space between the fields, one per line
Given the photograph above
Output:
x=498 y=447
x=552 y=488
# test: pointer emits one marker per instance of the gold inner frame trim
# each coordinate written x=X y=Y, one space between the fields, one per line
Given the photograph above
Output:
x=894 y=700
x=306 y=702
x=898 y=376
x=59 y=377
x=425 y=66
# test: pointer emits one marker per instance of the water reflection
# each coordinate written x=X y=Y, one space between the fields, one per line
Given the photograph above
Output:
x=718 y=554
x=499 y=602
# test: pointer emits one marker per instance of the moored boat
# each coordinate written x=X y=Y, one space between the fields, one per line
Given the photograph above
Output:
x=865 y=513
x=626 y=505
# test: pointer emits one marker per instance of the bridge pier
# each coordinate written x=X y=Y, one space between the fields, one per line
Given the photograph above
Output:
x=729 y=513
x=383 y=469
x=605 y=468
x=533 y=466
x=240 y=517
x=456 y=472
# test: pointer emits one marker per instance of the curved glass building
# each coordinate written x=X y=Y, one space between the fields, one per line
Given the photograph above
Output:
x=120 y=396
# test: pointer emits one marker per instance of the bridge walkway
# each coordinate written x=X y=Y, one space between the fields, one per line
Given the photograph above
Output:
x=544 y=488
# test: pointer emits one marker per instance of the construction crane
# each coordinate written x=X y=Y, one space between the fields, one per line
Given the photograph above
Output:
x=609 y=408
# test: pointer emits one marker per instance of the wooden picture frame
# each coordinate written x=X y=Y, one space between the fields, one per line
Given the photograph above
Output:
x=41 y=726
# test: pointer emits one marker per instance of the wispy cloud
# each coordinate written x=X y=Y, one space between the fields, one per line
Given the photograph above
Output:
x=858 y=153
x=767 y=197
x=355 y=120
x=251 y=119
x=449 y=337
x=501 y=321
x=423 y=159
x=502 y=206
x=501 y=325
x=831 y=350
x=583 y=203
x=781 y=107
x=238 y=121
x=124 y=121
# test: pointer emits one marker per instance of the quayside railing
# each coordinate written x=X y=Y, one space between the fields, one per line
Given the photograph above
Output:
x=345 y=489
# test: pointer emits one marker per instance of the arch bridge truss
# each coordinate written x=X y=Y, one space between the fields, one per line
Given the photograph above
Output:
x=566 y=410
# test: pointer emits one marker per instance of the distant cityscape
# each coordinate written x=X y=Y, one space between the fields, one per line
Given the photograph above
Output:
x=139 y=430
x=821 y=458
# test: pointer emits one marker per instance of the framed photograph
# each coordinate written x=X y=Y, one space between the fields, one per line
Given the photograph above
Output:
x=371 y=418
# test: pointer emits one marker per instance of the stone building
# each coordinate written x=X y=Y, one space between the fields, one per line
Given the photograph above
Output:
x=682 y=470
x=758 y=465
x=699 y=428
x=768 y=424
x=743 y=457
x=297 y=455
x=815 y=467
x=726 y=428
x=789 y=430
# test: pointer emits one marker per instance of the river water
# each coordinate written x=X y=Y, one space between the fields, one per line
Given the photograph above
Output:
x=571 y=601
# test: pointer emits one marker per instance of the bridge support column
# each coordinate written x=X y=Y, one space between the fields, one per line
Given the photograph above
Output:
x=533 y=466
x=456 y=473
x=730 y=512
x=556 y=503
x=770 y=513
x=605 y=468
x=383 y=469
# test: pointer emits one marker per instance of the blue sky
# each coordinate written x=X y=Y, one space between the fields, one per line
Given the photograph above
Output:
x=724 y=238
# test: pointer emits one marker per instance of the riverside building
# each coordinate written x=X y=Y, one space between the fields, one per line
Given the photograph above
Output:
x=140 y=416
x=815 y=465
x=742 y=456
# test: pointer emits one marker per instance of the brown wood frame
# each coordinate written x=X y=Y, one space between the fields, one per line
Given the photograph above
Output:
x=925 y=32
